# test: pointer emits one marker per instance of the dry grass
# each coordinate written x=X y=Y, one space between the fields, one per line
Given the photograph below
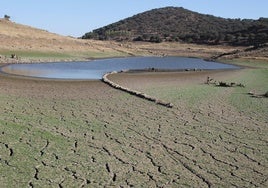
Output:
x=183 y=49
x=32 y=45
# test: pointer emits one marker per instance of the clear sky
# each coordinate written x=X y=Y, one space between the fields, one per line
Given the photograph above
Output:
x=76 y=17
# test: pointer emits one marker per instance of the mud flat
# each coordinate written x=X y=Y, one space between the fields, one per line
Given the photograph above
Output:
x=106 y=80
x=87 y=134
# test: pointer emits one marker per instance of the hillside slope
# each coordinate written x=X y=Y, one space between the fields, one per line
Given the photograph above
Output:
x=32 y=44
x=17 y=36
x=179 y=24
x=35 y=45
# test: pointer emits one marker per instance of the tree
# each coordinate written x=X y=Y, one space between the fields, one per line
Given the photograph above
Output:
x=260 y=39
x=155 y=39
x=139 y=38
x=7 y=17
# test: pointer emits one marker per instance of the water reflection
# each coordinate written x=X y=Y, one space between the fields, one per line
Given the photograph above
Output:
x=96 y=69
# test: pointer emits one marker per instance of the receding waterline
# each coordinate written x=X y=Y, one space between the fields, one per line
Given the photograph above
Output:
x=97 y=68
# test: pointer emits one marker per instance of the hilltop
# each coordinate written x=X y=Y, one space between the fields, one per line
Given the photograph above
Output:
x=179 y=24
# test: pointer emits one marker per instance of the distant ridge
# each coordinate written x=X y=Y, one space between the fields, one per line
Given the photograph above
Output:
x=179 y=24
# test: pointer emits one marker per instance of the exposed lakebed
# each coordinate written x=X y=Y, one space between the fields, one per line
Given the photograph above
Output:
x=97 y=68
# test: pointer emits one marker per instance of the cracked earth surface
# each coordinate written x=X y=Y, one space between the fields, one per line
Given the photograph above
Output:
x=86 y=134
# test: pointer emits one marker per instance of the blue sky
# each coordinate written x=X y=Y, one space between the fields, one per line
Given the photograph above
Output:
x=77 y=17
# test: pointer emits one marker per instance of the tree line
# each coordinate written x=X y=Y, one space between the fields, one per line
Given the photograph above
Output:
x=178 y=24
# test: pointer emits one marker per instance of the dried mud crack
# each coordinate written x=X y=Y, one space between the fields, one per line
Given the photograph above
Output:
x=87 y=134
x=133 y=92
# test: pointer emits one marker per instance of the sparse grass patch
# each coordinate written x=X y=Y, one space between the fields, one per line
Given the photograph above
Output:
x=104 y=54
x=256 y=80
x=28 y=54
x=249 y=63
x=61 y=56
x=37 y=55
x=191 y=95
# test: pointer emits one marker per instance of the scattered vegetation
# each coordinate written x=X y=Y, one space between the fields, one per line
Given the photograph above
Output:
x=253 y=84
x=179 y=24
x=223 y=84
x=6 y=17
x=232 y=84
x=14 y=56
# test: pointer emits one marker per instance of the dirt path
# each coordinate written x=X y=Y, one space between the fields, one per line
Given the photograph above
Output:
x=86 y=134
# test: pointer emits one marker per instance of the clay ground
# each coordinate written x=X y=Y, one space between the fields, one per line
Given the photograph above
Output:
x=86 y=134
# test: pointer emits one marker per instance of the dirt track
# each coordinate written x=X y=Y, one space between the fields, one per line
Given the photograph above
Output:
x=61 y=134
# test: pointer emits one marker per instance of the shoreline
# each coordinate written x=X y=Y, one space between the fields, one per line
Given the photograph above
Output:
x=15 y=74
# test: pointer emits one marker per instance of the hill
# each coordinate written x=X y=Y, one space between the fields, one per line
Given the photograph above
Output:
x=32 y=44
x=179 y=24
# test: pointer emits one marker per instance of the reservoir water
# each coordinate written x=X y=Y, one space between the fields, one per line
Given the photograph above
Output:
x=97 y=68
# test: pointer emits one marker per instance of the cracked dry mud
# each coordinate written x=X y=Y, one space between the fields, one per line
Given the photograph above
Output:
x=86 y=134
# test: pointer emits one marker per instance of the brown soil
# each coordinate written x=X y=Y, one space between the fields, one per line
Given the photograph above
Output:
x=115 y=139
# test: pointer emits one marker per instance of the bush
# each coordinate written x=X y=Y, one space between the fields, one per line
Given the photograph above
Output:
x=7 y=17
x=223 y=84
x=155 y=39
x=139 y=38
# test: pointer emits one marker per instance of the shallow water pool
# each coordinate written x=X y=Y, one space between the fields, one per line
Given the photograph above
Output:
x=97 y=68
